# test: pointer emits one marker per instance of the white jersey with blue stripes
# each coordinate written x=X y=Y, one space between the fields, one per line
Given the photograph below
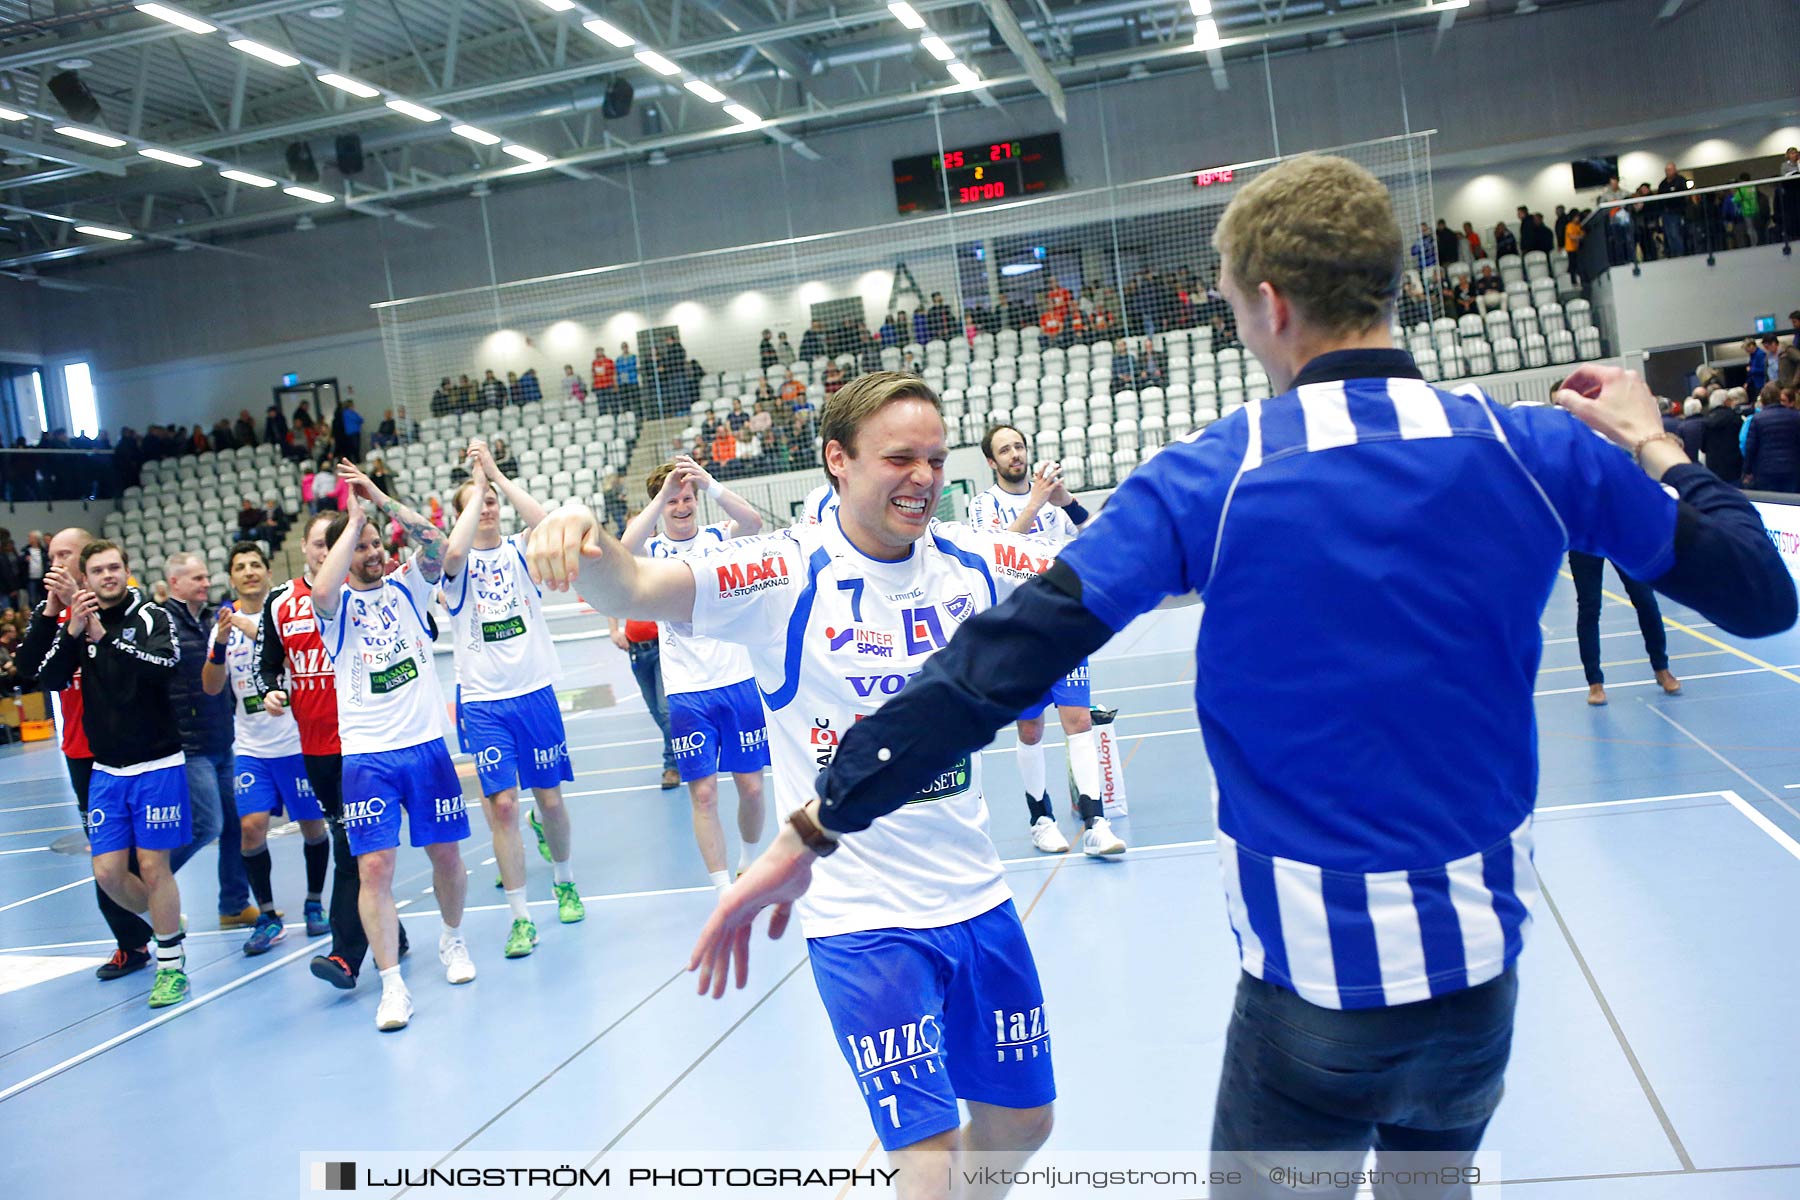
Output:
x=501 y=640
x=998 y=508
x=256 y=733
x=690 y=662
x=387 y=685
x=832 y=634
x=819 y=504
x=1374 y=554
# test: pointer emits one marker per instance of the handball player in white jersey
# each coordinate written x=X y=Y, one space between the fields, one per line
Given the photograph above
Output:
x=506 y=712
x=917 y=950
x=820 y=504
x=270 y=770
x=715 y=715
x=391 y=722
x=1037 y=503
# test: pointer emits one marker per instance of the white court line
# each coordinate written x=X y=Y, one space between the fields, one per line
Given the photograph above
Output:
x=41 y=895
x=189 y=1005
x=1569 y=641
x=26 y=850
x=1570 y=691
x=1763 y=823
x=40 y=807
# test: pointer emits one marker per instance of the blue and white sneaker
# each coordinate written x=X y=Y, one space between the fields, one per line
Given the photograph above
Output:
x=268 y=931
x=316 y=924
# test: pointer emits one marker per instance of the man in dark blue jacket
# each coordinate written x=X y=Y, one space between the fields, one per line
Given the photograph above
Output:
x=206 y=734
x=1375 y=754
x=1772 y=447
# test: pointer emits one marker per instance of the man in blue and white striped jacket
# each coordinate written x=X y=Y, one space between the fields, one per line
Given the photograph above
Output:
x=1374 y=554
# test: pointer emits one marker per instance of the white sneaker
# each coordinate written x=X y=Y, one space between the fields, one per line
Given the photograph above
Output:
x=1047 y=837
x=395 y=1009
x=459 y=967
x=1100 y=840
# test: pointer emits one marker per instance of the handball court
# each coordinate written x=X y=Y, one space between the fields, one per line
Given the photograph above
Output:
x=1654 y=1055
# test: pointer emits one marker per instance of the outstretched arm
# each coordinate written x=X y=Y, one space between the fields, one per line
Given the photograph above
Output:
x=571 y=549
x=336 y=567
x=462 y=534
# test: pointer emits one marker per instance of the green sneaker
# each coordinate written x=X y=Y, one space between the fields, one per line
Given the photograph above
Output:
x=569 y=908
x=537 y=827
x=522 y=940
x=171 y=987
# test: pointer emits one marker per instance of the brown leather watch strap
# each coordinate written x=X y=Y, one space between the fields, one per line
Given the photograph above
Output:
x=812 y=836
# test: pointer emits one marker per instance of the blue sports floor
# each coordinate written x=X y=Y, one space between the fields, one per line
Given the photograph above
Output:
x=1655 y=1053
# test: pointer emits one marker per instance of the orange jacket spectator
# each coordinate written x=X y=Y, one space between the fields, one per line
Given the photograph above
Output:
x=792 y=390
x=606 y=375
x=724 y=446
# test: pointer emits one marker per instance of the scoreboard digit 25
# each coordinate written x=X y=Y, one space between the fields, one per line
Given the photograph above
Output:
x=980 y=174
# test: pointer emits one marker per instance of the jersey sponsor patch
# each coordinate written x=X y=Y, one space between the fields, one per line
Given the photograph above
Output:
x=296 y=628
x=253 y=703
x=748 y=578
x=953 y=782
x=1017 y=563
x=874 y=642
x=500 y=631
x=394 y=677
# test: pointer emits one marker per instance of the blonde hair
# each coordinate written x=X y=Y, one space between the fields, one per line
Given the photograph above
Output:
x=1321 y=231
x=860 y=399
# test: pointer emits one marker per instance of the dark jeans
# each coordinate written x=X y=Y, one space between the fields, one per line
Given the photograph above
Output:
x=1586 y=568
x=646 y=665
x=1419 y=1078
x=212 y=796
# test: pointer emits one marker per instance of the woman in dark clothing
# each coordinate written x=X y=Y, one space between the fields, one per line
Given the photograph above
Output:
x=1772 y=447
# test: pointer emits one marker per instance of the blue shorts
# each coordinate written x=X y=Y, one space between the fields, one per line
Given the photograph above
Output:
x=517 y=742
x=925 y=1016
x=1072 y=690
x=148 y=811
x=265 y=784
x=421 y=779
x=718 y=730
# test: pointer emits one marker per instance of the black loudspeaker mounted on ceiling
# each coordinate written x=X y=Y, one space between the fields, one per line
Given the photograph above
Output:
x=74 y=97
x=300 y=163
x=349 y=154
x=617 y=101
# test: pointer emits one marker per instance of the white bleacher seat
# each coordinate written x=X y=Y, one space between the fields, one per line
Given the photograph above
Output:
x=1024 y=419
x=1457 y=270
x=1543 y=291
x=1075 y=443
x=1524 y=322
x=1427 y=362
x=1536 y=350
x=1049 y=415
x=1123 y=460
x=1256 y=385
x=1126 y=434
x=1471 y=325
x=1480 y=357
x=1098 y=438
x=1587 y=341
x=1498 y=324
x=1550 y=316
x=1518 y=294
x=1153 y=429
x=1048 y=444
x=1074 y=473
x=1579 y=313
x=1562 y=345
x=1537 y=265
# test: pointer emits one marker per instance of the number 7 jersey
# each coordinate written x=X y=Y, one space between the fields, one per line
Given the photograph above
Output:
x=832 y=634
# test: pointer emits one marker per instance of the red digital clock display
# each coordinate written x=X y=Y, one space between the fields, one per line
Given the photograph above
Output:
x=980 y=174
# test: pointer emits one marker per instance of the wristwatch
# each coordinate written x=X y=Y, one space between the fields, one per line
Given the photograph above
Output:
x=812 y=835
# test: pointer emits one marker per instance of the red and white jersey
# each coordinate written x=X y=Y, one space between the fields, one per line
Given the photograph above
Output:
x=311 y=674
x=74 y=736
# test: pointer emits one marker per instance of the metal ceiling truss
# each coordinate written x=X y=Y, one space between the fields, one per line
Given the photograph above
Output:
x=786 y=57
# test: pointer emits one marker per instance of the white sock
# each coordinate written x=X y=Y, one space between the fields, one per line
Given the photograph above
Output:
x=1031 y=769
x=746 y=856
x=1084 y=763
x=720 y=879
x=515 y=900
x=562 y=872
x=390 y=979
x=452 y=933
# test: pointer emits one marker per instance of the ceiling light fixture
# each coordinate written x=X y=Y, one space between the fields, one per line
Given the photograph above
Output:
x=1206 y=34
x=906 y=15
x=267 y=53
x=558 y=5
x=964 y=74
x=101 y=231
x=657 y=63
x=526 y=153
x=7 y=114
x=742 y=115
x=163 y=12
x=415 y=111
x=309 y=194
x=261 y=181
x=88 y=135
x=705 y=91
x=169 y=156
x=481 y=136
x=609 y=33
x=934 y=46
x=344 y=83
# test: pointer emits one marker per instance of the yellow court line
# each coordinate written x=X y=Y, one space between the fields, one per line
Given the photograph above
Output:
x=1671 y=623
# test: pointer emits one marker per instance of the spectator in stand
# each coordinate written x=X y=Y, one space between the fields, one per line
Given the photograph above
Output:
x=1490 y=292
x=1617 y=220
x=1412 y=307
x=834 y=379
x=812 y=342
x=244 y=432
x=1787 y=196
x=617 y=507
x=784 y=352
x=1674 y=211
x=1772 y=446
x=921 y=327
x=1465 y=298
x=1743 y=214
x=249 y=517
x=627 y=366
x=222 y=437
x=351 y=446
x=1719 y=444
x=12 y=573
x=388 y=432
x=573 y=388
x=382 y=477
x=606 y=382
x=440 y=398
x=278 y=516
x=492 y=393
x=464 y=398
x=1474 y=240
x=512 y=388
x=1692 y=427
x=792 y=391
x=1424 y=251
x=1760 y=361
x=888 y=335
x=761 y=421
x=503 y=459
x=1124 y=368
x=1504 y=242
x=1449 y=244
x=941 y=321
x=529 y=390
x=275 y=426
x=724 y=449
x=35 y=561
x=871 y=354
x=1787 y=361
x=737 y=418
